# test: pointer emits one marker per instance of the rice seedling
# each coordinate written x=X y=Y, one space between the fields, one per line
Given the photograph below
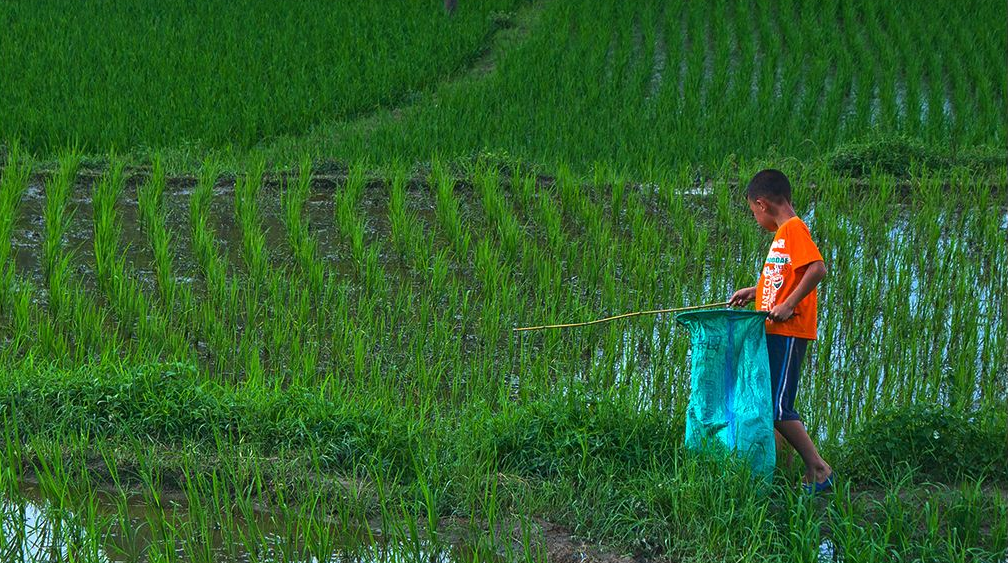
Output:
x=677 y=84
x=16 y=295
x=414 y=246
x=303 y=245
x=250 y=222
x=175 y=299
x=218 y=314
x=352 y=227
x=150 y=201
x=134 y=313
x=13 y=185
x=211 y=265
x=447 y=207
x=79 y=318
x=56 y=262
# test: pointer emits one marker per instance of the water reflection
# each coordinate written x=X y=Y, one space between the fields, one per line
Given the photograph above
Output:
x=35 y=530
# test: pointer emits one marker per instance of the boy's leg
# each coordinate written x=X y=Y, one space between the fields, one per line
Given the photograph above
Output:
x=816 y=468
x=785 y=453
x=786 y=354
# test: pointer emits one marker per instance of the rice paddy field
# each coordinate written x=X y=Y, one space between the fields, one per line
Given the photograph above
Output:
x=640 y=85
x=260 y=266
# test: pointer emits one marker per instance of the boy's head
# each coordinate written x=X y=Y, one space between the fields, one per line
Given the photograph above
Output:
x=768 y=192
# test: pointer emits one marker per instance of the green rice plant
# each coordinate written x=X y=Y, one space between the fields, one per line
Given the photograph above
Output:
x=107 y=226
x=211 y=265
x=349 y=224
x=376 y=291
x=219 y=313
x=174 y=102
x=560 y=427
x=81 y=320
x=13 y=184
x=176 y=305
x=495 y=281
x=150 y=201
x=261 y=298
x=247 y=216
x=373 y=272
x=15 y=294
x=303 y=245
x=31 y=327
x=492 y=269
x=137 y=321
x=56 y=262
x=407 y=232
x=678 y=85
x=840 y=90
x=447 y=208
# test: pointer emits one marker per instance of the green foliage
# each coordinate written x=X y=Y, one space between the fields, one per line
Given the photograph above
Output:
x=132 y=75
x=652 y=85
x=174 y=405
x=647 y=85
x=562 y=435
x=370 y=372
x=935 y=442
x=901 y=156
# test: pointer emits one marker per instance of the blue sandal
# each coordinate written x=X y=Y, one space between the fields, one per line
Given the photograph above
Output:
x=816 y=488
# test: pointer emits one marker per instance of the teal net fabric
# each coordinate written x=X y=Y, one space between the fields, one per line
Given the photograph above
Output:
x=730 y=404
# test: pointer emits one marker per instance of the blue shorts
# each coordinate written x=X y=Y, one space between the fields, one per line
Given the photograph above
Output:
x=786 y=355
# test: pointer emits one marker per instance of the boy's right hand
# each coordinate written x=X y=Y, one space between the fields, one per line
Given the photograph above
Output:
x=743 y=297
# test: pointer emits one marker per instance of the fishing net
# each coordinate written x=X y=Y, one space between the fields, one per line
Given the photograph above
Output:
x=730 y=404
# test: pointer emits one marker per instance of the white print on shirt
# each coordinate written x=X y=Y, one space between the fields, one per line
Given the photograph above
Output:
x=773 y=277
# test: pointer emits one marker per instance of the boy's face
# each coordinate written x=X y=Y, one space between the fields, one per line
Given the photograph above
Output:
x=761 y=212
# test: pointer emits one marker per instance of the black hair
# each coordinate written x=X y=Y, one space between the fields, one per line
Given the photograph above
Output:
x=769 y=184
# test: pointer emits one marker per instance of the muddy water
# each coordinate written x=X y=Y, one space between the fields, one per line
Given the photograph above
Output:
x=29 y=233
x=639 y=360
x=34 y=529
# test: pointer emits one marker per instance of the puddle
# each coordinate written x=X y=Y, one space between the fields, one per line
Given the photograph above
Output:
x=828 y=552
x=32 y=529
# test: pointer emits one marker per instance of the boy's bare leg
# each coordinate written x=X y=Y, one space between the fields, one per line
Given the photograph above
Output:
x=784 y=451
x=816 y=468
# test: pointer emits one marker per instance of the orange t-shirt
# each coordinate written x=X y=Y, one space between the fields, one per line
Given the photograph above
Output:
x=792 y=249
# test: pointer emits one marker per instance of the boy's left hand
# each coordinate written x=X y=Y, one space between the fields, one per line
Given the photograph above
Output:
x=781 y=312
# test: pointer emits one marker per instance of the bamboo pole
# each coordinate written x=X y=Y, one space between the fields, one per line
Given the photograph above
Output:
x=625 y=316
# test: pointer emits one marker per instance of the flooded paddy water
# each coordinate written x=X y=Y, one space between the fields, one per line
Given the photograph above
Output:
x=111 y=528
x=887 y=267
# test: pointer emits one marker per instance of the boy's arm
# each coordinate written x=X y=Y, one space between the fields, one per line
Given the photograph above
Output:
x=814 y=273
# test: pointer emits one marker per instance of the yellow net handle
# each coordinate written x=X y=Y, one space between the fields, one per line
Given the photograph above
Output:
x=625 y=316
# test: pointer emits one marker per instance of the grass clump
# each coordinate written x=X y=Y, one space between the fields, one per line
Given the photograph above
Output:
x=565 y=434
x=901 y=155
x=936 y=442
x=173 y=405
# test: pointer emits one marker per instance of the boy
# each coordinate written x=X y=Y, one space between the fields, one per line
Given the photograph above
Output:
x=787 y=291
